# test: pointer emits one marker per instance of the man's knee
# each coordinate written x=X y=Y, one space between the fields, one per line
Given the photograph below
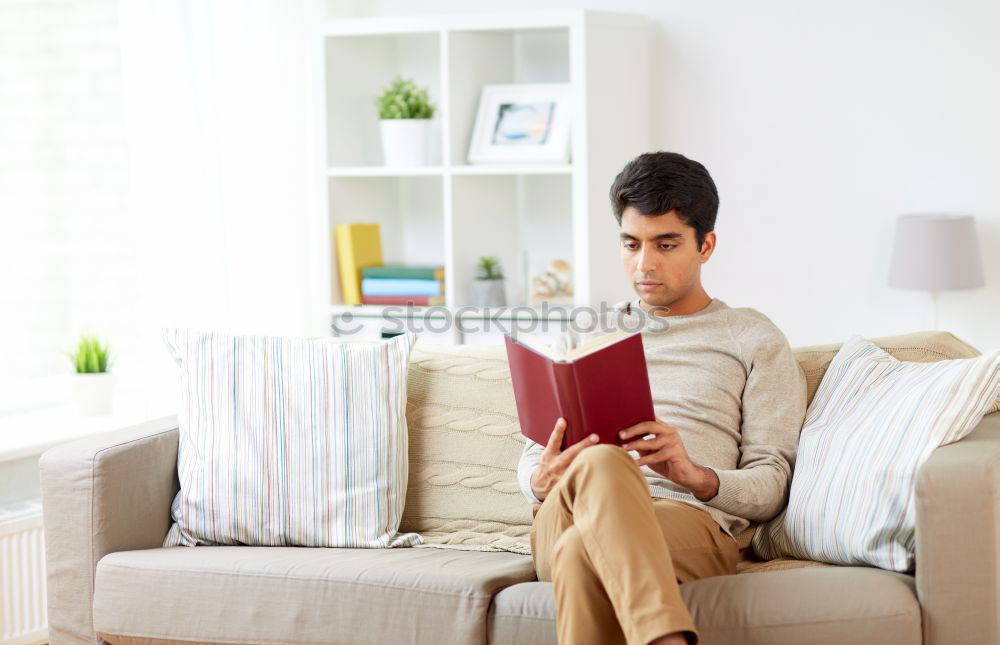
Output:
x=605 y=461
x=569 y=546
x=604 y=456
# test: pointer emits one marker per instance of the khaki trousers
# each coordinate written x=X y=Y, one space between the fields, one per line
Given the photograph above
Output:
x=616 y=555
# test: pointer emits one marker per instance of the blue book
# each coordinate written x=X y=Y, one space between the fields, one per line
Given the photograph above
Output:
x=400 y=287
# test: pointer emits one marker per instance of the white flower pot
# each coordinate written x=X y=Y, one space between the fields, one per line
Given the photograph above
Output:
x=94 y=392
x=405 y=142
x=488 y=293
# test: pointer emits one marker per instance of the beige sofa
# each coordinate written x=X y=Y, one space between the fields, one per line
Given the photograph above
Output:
x=107 y=509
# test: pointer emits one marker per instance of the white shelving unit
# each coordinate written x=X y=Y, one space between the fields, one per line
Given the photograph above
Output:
x=451 y=213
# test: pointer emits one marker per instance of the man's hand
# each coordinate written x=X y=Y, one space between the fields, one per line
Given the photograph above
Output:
x=554 y=463
x=664 y=452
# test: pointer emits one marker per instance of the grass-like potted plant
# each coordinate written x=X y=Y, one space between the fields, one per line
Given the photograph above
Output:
x=93 y=384
x=488 y=287
x=405 y=113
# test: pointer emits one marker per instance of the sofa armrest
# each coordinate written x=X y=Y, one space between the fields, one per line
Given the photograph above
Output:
x=110 y=492
x=958 y=539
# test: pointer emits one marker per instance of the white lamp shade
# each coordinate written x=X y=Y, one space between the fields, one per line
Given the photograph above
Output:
x=936 y=253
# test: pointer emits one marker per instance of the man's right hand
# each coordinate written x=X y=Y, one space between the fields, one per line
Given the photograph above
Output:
x=555 y=462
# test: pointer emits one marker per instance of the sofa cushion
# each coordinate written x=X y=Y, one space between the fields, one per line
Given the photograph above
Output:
x=917 y=347
x=874 y=419
x=817 y=606
x=465 y=443
x=242 y=594
x=290 y=441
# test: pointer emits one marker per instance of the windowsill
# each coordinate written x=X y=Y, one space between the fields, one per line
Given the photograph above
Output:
x=29 y=434
x=32 y=430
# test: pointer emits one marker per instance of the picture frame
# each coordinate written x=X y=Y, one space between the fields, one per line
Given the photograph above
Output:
x=523 y=123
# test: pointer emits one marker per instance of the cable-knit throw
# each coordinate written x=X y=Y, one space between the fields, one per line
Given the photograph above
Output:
x=464 y=445
x=464 y=439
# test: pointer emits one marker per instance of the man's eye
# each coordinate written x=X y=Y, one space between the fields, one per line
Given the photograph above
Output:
x=630 y=246
x=667 y=247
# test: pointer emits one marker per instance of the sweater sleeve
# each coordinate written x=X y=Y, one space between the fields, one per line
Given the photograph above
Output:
x=773 y=409
x=526 y=466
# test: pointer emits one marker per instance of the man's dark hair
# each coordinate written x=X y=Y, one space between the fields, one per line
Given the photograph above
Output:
x=655 y=183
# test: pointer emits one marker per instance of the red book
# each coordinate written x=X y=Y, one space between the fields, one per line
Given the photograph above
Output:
x=600 y=387
x=416 y=301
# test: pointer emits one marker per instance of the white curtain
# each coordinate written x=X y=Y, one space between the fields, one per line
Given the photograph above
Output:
x=67 y=263
x=158 y=164
x=220 y=109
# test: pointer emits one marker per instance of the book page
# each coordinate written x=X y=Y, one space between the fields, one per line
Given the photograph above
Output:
x=534 y=342
x=596 y=344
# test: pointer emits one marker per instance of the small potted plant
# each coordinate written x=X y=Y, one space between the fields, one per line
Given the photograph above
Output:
x=93 y=384
x=404 y=113
x=488 y=289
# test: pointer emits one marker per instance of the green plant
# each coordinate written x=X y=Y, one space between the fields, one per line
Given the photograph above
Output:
x=489 y=269
x=90 y=355
x=402 y=99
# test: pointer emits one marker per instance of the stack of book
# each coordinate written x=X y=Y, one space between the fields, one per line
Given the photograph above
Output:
x=400 y=284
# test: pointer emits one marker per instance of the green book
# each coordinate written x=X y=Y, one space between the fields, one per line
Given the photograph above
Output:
x=405 y=271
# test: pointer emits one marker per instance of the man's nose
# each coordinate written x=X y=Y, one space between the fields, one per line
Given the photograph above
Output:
x=645 y=261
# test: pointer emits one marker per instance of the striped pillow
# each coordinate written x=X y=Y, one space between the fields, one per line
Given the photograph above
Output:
x=289 y=441
x=873 y=422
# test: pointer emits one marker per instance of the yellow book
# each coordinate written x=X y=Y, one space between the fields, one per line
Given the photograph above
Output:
x=358 y=246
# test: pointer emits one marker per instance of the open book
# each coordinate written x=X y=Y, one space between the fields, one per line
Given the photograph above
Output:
x=601 y=387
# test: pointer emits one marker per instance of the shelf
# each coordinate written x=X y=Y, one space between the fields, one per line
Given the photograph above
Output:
x=432 y=171
x=485 y=21
x=513 y=169
x=510 y=312
x=452 y=213
x=384 y=171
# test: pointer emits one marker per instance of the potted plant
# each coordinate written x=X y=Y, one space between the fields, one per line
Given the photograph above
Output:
x=488 y=289
x=93 y=384
x=404 y=113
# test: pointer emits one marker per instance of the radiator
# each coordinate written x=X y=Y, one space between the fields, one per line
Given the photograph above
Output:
x=22 y=574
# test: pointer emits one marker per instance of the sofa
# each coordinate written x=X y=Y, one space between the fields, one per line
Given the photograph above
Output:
x=106 y=506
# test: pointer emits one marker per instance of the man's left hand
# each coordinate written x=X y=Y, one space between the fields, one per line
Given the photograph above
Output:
x=664 y=452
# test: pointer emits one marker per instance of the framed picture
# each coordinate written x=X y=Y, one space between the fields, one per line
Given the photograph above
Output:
x=522 y=123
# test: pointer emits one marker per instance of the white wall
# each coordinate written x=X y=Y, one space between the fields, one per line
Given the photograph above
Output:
x=820 y=122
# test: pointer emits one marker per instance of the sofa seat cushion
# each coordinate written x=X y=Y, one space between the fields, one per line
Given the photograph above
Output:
x=816 y=605
x=244 y=594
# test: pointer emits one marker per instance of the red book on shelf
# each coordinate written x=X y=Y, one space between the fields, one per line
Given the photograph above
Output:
x=600 y=387
x=416 y=301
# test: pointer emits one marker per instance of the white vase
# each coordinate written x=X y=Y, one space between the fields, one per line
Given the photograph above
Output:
x=488 y=293
x=405 y=142
x=94 y=392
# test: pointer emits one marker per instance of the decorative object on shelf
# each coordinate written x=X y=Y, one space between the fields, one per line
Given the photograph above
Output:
x=522 y=123
x=936 y=252
x=358 y=245
x=488 y=287
x=405 y=113
x=93 y=384
x=554 y=286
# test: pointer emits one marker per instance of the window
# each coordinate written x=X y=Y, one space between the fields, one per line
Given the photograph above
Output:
x=66 y=244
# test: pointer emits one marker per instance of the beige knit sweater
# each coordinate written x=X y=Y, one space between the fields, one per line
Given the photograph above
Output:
x=727 y=379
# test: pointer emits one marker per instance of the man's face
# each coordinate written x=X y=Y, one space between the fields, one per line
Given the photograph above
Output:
x=661 y=256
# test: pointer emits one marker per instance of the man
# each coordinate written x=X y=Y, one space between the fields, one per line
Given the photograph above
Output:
x=617 y=529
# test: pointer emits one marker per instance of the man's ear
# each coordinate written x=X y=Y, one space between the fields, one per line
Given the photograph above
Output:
x=707 y=247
